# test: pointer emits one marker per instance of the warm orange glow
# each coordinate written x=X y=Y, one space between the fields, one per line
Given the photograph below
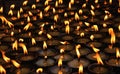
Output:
x=37 y=0
x=78 y=28
x=21 y=10
x=104 y=25
x=87 y=24
x=92 y=7
x=46 y=2
x=10 y=24
x=56 y=4
x=113 y=37
x=119 y=27
x=60 y=1
x=110 y=1
x=18 y=14
x=52 y=27
x=5 y=57
x=84 y=5
x=10 y=12
x=119 y=10
x=27 y=26
x=80 y=11
x=95 y=27
x=77 y=50
x=15 y=63
x=92 y=12
x=65 y=14
x=106 y=17
x=33 y=6
x=82 y=34
x=80 y=70
x=39 y=70
x=30 y=13
x=72 y=1
x=60 y=72
x=77 y=16
x=23 y=47
x=56 y=17
x=64 y=42
x=60 y=61
x=41 y=15
x=66 y=22
x=49 y=36
x=12 y=33
x=15 y=45
x=1 y=10
x=44 y=45
x=40 y=32
x=12 y=6
x=62 y=50
x=92 y=37
x=99 y=60
x=69 y=6
x=67 y=29
x=47 y=8
x=94 y=49
x=28 y=19
x=117 y=53
x=33 y=41
x=21 y=40
x=96 y=1
x=25 y=3
x=2 y=70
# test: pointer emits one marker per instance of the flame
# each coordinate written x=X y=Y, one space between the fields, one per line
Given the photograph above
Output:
x=33 y=6
x=104 y=25
x=110 y=1
x=82 y=34
x=80 y=11
x=15 y=45
x=80 y=70
x=16 y=64
x=25 y=3
x=12 y=6
x=1 y=10
x=56 y=4
x=28 y=19
x=56 y=17
x=46 y=2
x=69 y=5
x=30 y=13
x=23 y=47
x=10 y=12
x=44 y=45
x=78 y=28
x=12 y=33
x=117 y=53
x=47 y=8
x=52 y=27
x=87 y=24
x=119 y=10
x=65 y=14
x=99 y=60
x=39 y=70
x=95 y=27
x=37 y=0
x=77 y=16
x=60 y=61
x=2 y=70
x=94 y=49
x=77 y=50
x=54 y=10
x=21 y=10
x=72 y=1
x=67 y=29
x=49 y=36
x=60 y=72
x=92 y=37
x=96 y=1
x=5 y=57
x=33 y=41
x=92 y=7
x=84 y=5
x=62 y=50
x=10 y=24
x=40 y=32
x=92 y=12
x=64 y=42
x=27 y=26
x=119 y=27
x=41 y=15
x=21 y=40
x=66 y=22
x=18 y=14
x=113 y=38
x=106 y=17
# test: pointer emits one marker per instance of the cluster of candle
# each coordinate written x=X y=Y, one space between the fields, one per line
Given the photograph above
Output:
x=55 y=37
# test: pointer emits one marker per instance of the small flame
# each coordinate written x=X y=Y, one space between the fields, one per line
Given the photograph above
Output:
x=12 y=6
x=82 y=34
x=12 y=33
x=30 y=13
x=106 y=17
x=46 y=2
x=99 y=60
x=104 y=25
x=87 y=24
x=113 y=38
x=10 y=24
x=41 y=15
x=37 y=0
x=72 y=1
x=110 y=1
x=64 y=42
x=25 y=3
x=66 y=22
x=60 y=1
x=56 y=17
x=65 y=14
x=60 y=72
x=67 y=29
x=80 y=11
x=49 y=36
x=39 y=70
x=77 y=50
x=44 y=45
x=92 y=7
x=94 y=49
x=5 y=57
x=92 y=37
x=10 y=12
x=47 y=8
x=27 y=26
x=23 y=47
x=119 y=10
x=33 y=41
x=1 y=10
x=28 y=19
x=40 y=32
x=80 y=70
x=92 y=12
x=78 y=28
x=117 y=53
x=54 y=10
x=15 y=45
x=2 y=70
x=56 y=4
x=84 y=5
x=21 y=10
x=15 y=63
x=69 y=5
x=60 y=61
x=95 y=27
x=18 y=15
x=62 y=50
x=96 y=1
x=77 y=16
x=33 y=6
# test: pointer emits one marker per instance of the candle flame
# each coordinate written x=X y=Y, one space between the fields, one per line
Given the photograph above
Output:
x=5 y=57
x=28 y=19
x=69 y=5
x=60 y=61
x=37 y=0
x=39 y=70
x=56 y=17
x=72 y=1
x=21 y=10
x=33 y=6
x=12 y=6
x=87 y=24
x=56 y=4
x=110 y=1
x=84 y=5
x=77 y=50
x=10 y=12
x=77 y=16
x=10 y=24
x=60 y=1
x=95 y=27
x=67 y=29
x=92 y=7
x=1 y=10
x=15 y=63
x=64 y=42
x=49 y=36
x=66 y=22
x=27 y=26
x=113 y=37
x=106 y=17
x=33 y=41
x=92 y=12
x=104 y=25
x=54 y=10
x=40 y=32
x=99 y=60
x=94 y=49
x=92 y=37
x=117 y=53
x=82 y=34
x=2 y=70
x=60 y=72
x=18 y=15
x=96 y=1
x=23 y=47
x=44 y=45
x=15 y=45
x=30 y=13
x=47 y=8
x=62 y=50
x=12 y=33
x=25 y=2
x=41 y=15
x=80 y=70
x=80 y=11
